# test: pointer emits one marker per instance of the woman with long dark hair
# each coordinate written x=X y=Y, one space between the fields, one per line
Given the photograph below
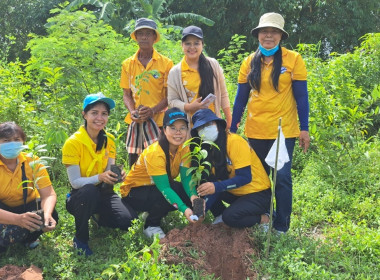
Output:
x=150 y=184
x=88 y=155
x=195 y=77
x=19 y=196
x=236 y=175
x=272 y=81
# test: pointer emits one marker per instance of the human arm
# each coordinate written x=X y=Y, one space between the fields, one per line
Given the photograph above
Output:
x=48 y=201
x=242 y=177
x=302 y=100
x=227 y=114
x=30 y=221
x=240 y=102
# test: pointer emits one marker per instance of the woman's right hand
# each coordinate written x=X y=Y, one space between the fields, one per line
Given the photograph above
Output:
x=108 y=177
x=30 y=221
x=195 y=106
x=188 y=213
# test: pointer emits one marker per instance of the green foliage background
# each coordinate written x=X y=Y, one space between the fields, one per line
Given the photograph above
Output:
x=335 y=228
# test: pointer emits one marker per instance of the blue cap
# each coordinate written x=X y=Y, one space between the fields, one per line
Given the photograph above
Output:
x=92 y=98
x=174 y=114
x=192 y=30
x=203 y=116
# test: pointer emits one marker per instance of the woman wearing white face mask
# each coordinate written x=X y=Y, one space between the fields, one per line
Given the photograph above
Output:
x=17 y=222
x=236 y=174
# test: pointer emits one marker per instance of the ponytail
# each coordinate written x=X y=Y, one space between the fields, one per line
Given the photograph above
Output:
x=164 y=144
x=207 y=77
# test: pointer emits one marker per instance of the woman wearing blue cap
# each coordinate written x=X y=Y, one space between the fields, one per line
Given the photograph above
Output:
x=150 y=184
x=236 y=174
x=191 y=81
x=88 y=155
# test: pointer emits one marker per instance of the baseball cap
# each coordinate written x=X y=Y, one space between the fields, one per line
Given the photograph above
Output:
x=192 y=30
x=95 y=97
x=174 y=114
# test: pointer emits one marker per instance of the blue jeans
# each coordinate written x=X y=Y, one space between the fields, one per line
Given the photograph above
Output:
x=284 y=186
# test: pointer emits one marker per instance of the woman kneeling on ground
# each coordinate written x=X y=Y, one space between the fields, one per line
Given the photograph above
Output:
x=88 y=155
x=18 y=198
x=236 y=174
x=149 y=187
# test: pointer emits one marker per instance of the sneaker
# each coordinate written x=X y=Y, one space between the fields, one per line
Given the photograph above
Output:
x=218 y=220
x=82 y=247
x=32 y=245
x=264 y=227
x=151 y=231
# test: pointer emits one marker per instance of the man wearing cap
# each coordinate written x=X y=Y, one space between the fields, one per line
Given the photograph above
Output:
x=272 y=83
x=145 y=100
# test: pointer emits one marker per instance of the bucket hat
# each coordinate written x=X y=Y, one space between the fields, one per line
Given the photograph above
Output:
x=202 y=117
x=192 y=30
x=95 y=97
x=145 y=23
x=271 y=20
x=172 y=115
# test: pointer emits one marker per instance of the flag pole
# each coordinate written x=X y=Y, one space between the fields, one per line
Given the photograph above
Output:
x=269 y=233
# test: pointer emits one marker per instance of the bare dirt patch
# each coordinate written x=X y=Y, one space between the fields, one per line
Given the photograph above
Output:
x=12 y=272
x=217 y=249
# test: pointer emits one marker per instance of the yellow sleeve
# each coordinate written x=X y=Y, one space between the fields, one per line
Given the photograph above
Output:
x=111 y=146
x=238 y=151
x=71 y=152
x=155 y=162
x=124 y=80
x=169 y=66
x=245 y=68
x=299 y=72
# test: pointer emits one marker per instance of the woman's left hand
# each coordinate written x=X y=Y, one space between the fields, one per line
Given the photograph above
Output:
x=50 y=223
x=206 y=189
x=304 y=140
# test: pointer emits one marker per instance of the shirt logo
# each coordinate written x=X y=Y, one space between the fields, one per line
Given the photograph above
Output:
x=155 y=75
x=283 y=69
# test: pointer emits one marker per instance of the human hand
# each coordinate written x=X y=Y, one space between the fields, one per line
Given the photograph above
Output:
x=30 y=221
x=145 y=113
x=206 y=189
x=135 y=116
x=50 y=223
x=304 y=140
x=195 y=105
x=108 y=177
x=188 y=212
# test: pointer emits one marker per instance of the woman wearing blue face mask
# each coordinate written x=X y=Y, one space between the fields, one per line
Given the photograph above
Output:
x=17 y=223
x=236 y=174
x=272 y=81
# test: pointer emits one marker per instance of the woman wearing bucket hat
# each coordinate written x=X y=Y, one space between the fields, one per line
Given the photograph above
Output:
x=192 y=80
x=272 y=81
x=236 y=175
x=88 y=155
x=149 y=187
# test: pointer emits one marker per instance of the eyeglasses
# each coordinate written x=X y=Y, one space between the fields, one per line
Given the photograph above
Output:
x=195 y=44
x=144 y=34
x=270 y=31
x=174 y=130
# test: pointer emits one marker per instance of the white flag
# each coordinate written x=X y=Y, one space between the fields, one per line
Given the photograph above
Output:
x=283 y=156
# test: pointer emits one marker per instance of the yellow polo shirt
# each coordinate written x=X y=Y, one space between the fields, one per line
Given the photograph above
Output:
x=80 y=150
x=267 y=106
x=11 y=189
x=153 y=90
x=152 y=162
x=241 y=155
x=191 y=81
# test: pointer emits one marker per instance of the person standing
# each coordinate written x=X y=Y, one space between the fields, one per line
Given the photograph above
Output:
x=195 y=77
x=272 y=81
x=145 y=100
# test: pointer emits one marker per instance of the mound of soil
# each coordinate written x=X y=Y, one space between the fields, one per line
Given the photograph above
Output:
x=12 y=272
x=217 y=249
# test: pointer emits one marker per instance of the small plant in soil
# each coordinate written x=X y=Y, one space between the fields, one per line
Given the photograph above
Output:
x=37 y=164
x=198 y=155
x=117 y=170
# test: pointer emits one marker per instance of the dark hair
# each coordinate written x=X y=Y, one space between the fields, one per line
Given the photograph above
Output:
x=102 y=136
x=217 y=157
x=9 y=129
x=164 y=144
x=206 y=73
x=254 y=77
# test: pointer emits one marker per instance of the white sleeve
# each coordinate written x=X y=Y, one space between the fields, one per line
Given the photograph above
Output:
x=76 y=181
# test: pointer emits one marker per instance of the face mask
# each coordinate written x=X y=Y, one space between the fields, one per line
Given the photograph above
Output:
x=209 y=133
x=10 y=150
x=269 y=52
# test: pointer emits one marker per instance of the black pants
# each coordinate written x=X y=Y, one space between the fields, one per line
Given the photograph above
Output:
x=151 y=200
x=91 y=199
x=245 y=210
x=10 y=234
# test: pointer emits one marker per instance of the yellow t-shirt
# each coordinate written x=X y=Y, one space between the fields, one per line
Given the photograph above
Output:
x=241 y=155
x=153 y=90
x=80 y=150
x=191 y=82
x=267 y=106
x=152 y=162
x=11 y=189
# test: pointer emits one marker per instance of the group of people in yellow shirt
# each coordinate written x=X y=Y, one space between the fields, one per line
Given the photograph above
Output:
x=272 y=81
